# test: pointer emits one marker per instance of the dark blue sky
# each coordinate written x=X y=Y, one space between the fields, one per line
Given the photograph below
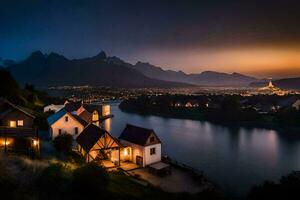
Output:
x=186 y=35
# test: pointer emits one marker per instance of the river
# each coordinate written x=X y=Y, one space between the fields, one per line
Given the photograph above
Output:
x=233 y=158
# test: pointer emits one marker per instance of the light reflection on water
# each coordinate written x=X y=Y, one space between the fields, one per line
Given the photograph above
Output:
x=234 y=158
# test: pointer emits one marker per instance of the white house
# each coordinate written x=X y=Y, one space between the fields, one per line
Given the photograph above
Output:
x=296 y=105
x=143 y=145
x=65 y=122
x=53 y=107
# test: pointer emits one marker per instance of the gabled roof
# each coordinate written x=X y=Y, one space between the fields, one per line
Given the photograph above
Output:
x=136 y=135
x=12 y=106
x=56 y=116
x=80 y=120
x=287 y=101
x=86 y=116
x=73 y=106
x=90 y=136
x=92 y=107
x=297 y=101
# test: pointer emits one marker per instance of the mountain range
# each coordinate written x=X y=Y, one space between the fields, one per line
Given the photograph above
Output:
x=206 y=78
x=52 y=69
x=55 y=70
x=6 y=62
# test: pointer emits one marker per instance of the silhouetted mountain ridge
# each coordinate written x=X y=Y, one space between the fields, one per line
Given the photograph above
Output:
x=205 y=78
x=56 y=70
x=6 y=62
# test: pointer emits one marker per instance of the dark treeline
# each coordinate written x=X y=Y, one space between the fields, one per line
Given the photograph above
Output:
x=260 y=109
x=287 y=187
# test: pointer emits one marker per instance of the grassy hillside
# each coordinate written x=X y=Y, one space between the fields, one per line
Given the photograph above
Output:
x=27 y=96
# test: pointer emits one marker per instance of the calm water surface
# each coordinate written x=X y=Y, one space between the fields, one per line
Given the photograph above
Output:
x=233 y=158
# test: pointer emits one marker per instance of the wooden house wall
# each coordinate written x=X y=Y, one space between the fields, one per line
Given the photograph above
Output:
x=15 y=115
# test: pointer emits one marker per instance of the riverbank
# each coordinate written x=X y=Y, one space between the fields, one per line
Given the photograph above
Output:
x=234 y=158
x=245 y=118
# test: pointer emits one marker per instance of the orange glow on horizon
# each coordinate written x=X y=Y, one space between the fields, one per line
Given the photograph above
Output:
x=256 y=61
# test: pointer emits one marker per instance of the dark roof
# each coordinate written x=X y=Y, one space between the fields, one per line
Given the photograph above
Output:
x=73 y=106
x=56 y=116
x=7 y=106
x=89 y=136
x=80 y=120
x=136 y=135
x=288 y=101
x=92 y=107
x=86 y=116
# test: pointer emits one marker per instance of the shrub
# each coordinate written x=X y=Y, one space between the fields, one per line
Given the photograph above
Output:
x=8 y=186
x=63 y=143
x=53 y=182
x=90 y=180
x=288 y=186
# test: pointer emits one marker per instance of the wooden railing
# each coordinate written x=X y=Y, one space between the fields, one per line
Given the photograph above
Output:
x=18 y=131
x=176 y=163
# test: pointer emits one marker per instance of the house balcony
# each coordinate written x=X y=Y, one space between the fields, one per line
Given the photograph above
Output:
x=6 y=131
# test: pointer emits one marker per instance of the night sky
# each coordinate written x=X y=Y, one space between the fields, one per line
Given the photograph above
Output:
x=256 y=37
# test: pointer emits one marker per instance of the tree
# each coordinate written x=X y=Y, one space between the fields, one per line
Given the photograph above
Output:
x=288 y=187
x=54 y=182
x=63 y=143
x=9 y=88
x=89 y=180
x=29 y=87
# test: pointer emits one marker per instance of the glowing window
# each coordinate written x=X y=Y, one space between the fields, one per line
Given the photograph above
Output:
x=95 y=116
x=12 y=124
x=20 y=123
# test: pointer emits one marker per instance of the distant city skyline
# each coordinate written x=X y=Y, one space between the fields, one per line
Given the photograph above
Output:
x=258 y=38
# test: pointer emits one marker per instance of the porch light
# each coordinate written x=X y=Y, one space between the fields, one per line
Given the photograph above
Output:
x=126 y=152
x=6 y=142
x=35 y=142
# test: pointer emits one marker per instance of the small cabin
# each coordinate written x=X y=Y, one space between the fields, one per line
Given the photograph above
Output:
x=17 y=132
x=141 y=146
x=97 y=145
x=15 y=116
